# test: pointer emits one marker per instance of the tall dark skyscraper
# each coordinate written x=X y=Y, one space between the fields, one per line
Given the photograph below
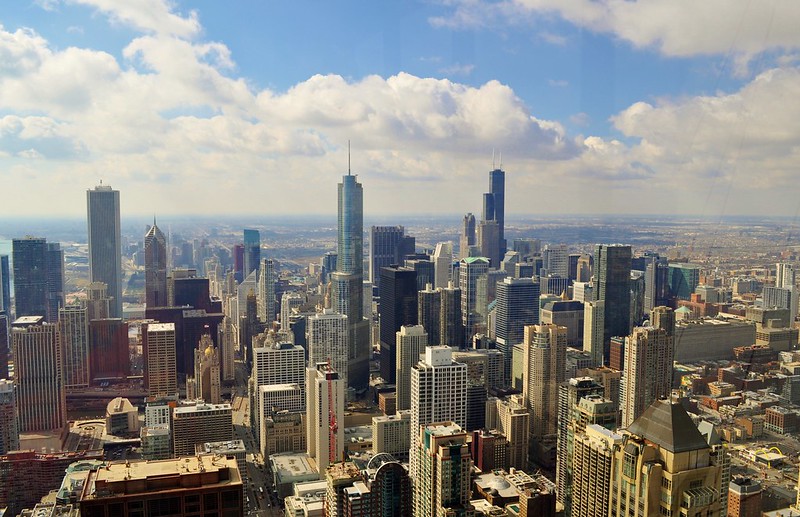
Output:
x=387 y=245
x=398 y=306
x=467 y=237
x=105 y=243
x=55 y=280
x=5 y=285
x=30 y=276
x=252 y=251
x=347 y=282
x=155 y=267
x=612 y=266
x=497 y=190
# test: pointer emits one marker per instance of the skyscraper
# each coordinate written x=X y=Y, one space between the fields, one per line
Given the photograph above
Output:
x=324 y=415
x=442 y=262
x=252 y=251
x=9 y=428
x=41 y=399
x=73 y=329
x=664 y=467
x=397 y=307
x=438 y=393
x=594 y=329
x=30 y=276
x=267 y=277
x=647 y=377
x=580 y=402
x=470 y=270
x=105 y=243
x=388 y=245
x=5 y=285
x=159 y=359
x=467 y=238
x=347 y=283
x=612 y=269
x=656 y=285
x=517 y=306
x=442 y=486
x=411 y=343
x=544 y=358
x=155 y=267
x=55 y=280
x=328 y=340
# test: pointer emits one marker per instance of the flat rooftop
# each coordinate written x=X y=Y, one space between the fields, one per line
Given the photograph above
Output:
x=124 y=477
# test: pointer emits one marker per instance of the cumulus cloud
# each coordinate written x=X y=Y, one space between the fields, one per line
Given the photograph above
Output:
x=674 y=28
x=172 y=125
x=151 y=16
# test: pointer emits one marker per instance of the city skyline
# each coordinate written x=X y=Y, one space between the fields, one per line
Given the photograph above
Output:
x=201 y=102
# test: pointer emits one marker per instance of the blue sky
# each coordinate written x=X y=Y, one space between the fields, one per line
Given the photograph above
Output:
x=246 y=107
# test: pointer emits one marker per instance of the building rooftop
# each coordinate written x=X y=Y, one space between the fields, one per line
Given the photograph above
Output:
x=201 y=406
x=291 y=465
x=161 y=327
x=125 y=478
x=668 y=425
x=26 y=321
x=223 y=447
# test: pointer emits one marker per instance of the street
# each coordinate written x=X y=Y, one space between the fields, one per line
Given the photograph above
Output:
x=258 y=493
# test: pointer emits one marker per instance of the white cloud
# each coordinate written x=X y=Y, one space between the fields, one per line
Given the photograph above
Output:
x=174 y=127
x=151 y=16
x=457 y=69
x=674 y=28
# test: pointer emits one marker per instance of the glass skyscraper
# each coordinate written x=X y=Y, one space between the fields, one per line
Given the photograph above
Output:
x=347 y=283
x=252 y=251
x=105 y=243
x=30 y=276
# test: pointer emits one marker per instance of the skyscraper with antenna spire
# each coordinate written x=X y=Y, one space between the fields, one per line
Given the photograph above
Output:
x=347 y=282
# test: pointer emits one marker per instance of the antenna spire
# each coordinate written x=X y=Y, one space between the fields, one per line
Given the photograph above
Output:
x=501 y=160
x=493 y=158
x=348 y=157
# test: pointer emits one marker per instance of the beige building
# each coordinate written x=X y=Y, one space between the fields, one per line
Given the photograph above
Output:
x=647 y=377
x=198 y=484
x=206 y=380
x=592 y=462
x=159 y=355
x=664 y=467
x=545 y=349
x=514 y=421
x=410 y=345
x=392 y=434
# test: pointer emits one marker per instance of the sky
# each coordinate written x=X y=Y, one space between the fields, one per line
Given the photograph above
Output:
x=247 y=107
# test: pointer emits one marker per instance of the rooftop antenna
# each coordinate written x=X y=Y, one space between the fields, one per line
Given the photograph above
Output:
x=493 y=158
x=501 y=160
x=348 y=158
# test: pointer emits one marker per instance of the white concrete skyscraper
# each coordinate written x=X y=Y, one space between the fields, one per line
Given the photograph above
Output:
x=438 y=393
x=105 y=243
x=328 y=340
x=442 y=264
x=159 y=355
x=324 y=415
